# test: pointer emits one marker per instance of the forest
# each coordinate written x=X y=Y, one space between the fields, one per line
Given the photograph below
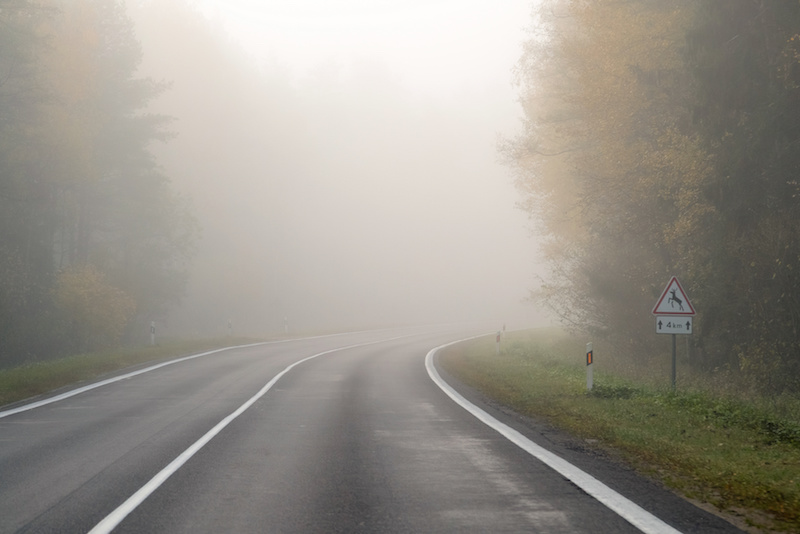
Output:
x=662 y=138
x=94 y=241
x=155 y=168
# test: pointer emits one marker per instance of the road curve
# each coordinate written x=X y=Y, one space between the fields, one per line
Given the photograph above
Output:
x=332 y=434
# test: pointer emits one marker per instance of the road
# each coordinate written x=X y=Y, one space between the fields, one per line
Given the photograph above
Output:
x=344 y=433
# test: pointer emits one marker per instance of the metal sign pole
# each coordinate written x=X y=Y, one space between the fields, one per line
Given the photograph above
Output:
x=674 y=360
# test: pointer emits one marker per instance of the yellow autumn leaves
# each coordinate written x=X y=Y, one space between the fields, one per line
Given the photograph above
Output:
x=96 y=310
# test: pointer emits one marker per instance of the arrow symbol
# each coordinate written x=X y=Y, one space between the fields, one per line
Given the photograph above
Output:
x=659 y=325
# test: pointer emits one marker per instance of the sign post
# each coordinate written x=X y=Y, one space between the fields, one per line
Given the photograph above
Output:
x=674 y=361
x=674 y=315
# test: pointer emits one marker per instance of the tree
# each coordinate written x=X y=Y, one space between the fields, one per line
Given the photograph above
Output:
x=26 y=269
x=98 y=312
x=118 y=211
x=743 y=56
x=81 y=196
x=606 y=160
x=661 y=139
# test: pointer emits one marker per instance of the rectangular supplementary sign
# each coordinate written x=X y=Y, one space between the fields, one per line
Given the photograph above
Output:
x=674 y=325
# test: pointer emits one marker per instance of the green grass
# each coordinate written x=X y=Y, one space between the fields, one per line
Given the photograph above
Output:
x=741 y=456
x=28 y=381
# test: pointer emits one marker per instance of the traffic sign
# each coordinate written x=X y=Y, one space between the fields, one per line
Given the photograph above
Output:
x=673 y=301
x=672 y=324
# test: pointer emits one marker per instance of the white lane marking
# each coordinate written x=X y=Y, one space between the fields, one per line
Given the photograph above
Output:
x=628 y=510
x=115 y=518
x=84 y=389
x=78 y=391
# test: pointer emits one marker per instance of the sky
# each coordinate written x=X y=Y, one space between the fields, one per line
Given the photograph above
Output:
x=365 y=189
x=433 y=46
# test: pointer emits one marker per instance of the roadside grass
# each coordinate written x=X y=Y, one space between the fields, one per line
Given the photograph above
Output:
x=741 y=456
x=27 y=381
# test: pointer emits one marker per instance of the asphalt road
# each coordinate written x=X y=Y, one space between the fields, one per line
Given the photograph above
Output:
x=358 y=438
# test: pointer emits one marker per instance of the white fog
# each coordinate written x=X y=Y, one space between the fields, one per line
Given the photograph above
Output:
x=341 y=161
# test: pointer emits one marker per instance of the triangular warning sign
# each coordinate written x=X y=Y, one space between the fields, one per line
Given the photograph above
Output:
x=673 y=301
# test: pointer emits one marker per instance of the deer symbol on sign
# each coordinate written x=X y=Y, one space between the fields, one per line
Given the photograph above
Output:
x=673 y=300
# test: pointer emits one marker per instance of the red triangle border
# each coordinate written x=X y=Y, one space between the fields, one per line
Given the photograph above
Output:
x=691 y=311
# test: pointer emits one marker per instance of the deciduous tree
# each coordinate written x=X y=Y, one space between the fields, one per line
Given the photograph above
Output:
x=661 y=139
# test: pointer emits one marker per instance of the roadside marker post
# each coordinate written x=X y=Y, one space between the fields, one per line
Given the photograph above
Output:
x=674 y=315
x=152 y=332
x=497 y=344
x=589 y=366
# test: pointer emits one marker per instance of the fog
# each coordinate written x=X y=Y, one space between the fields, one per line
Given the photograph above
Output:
x=340 y=158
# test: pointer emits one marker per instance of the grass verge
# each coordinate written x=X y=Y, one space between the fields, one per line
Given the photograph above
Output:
x=742 y=457
x=24 y=382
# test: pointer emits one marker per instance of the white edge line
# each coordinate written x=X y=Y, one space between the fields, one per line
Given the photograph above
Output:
x=95 y=385
x=84 y=389
x=627 y=509
x=121 y=512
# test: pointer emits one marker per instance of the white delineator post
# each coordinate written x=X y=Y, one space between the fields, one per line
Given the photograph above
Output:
x=589 y=365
